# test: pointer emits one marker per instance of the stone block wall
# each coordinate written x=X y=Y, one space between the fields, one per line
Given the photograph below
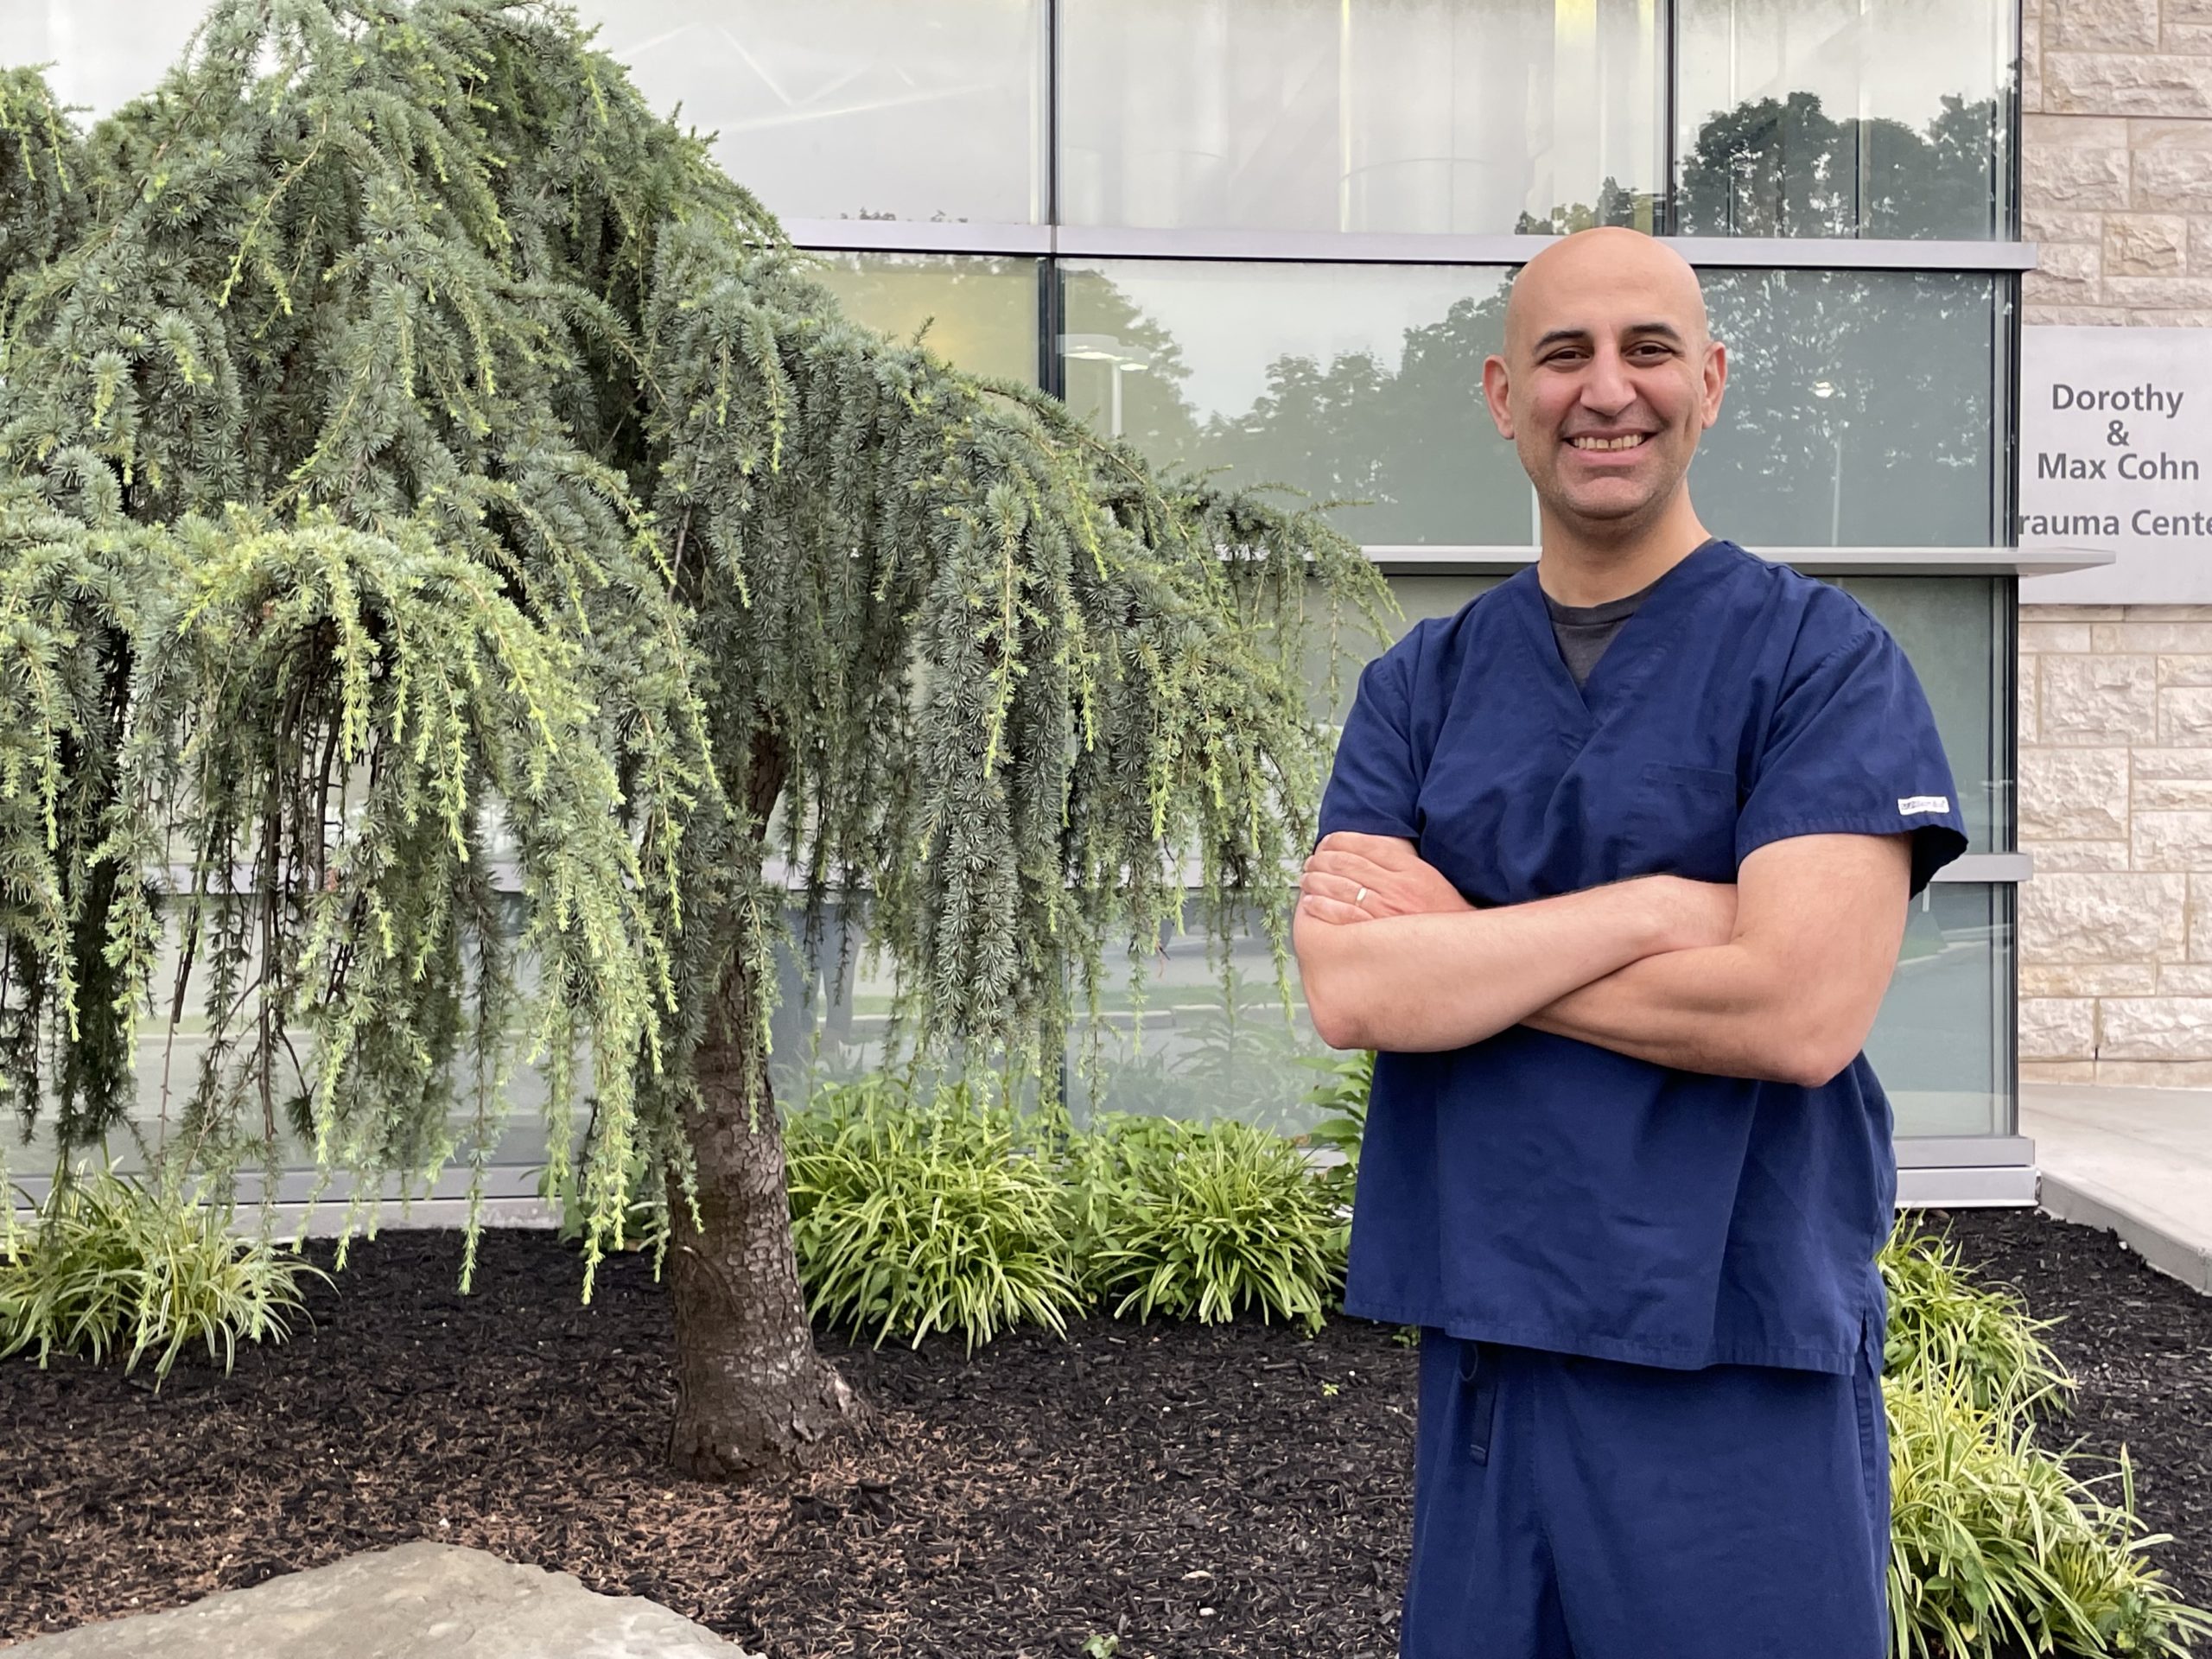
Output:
x=2116 y=159
x=2115 y=799
x=2115 y=706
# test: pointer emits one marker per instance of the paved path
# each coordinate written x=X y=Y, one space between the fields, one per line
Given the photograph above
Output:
x=416 y=1602
x=2138 y=1161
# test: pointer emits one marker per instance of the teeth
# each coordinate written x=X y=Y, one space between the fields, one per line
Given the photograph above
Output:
x=1628 y=442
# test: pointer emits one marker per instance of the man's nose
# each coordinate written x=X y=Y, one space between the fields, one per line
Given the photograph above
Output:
x=1606 y=389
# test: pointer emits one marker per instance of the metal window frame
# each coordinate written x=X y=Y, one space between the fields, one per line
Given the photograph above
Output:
x=1998 y=1168
x=1382 y=247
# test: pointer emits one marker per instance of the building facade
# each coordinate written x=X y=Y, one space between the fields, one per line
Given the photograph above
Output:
x=1275 y=236
x=2115 y=702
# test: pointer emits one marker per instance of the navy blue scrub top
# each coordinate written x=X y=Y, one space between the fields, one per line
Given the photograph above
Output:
x=1538 y=1190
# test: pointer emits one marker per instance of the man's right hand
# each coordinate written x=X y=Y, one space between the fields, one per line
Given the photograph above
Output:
x=1356 y=878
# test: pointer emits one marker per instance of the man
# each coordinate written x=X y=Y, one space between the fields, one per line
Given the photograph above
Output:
x=1614 y=874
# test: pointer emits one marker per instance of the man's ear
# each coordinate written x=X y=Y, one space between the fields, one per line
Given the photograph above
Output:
x=1494 y=388
x=1716 y=380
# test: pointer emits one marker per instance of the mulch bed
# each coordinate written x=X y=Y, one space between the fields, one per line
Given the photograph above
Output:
x=1237 y=1490
x=2140 y=1346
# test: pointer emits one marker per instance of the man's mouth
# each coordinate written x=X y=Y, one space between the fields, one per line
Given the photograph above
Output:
x=1629 y=441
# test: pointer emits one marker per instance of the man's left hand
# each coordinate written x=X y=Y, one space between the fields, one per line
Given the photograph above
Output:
x=1356 y=878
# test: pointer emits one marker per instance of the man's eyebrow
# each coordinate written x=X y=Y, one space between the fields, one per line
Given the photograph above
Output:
x=1557 y=336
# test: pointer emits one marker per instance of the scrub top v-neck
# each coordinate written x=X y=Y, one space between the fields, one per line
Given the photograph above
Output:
x=1584 y=633
x=1535 y=1190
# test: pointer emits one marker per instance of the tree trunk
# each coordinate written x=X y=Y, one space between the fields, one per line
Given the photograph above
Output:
x=752 y=1397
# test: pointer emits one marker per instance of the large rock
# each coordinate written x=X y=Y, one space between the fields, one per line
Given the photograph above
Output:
x=416 y=1600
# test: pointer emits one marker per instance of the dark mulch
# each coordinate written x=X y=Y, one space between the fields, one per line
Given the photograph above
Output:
x=2140 y=1345
x=1229 y=1492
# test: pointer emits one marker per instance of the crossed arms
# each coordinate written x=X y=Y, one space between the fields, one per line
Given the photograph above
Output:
x=1777 y=977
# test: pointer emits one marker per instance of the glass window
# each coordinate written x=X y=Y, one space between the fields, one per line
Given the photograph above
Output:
x=1937 y=1044
x=1353 y=383
x=1844 y=117
x=1196 y=1052
x=860 y=109
x=1949 y=627
x=1467 y=116
x=977 y=313
x=1860 y=408
x=98 y=56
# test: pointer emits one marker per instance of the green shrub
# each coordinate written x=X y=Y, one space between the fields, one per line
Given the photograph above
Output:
x=1997 y=1547
x=1980 y=1335
x=108 y=1264
x=910 y=1218
x=1202 y=1221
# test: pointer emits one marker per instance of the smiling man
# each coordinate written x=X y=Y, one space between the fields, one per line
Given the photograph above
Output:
x=1613 y=876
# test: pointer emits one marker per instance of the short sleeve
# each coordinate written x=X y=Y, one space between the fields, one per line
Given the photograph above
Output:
x=1853 y=750
x=1373 y=786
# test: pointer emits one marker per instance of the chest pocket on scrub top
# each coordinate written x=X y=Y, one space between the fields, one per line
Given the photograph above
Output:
x=1684 y=820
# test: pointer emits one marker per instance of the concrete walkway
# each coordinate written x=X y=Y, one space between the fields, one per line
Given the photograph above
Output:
x=2136 y=1161
x=411 y=1602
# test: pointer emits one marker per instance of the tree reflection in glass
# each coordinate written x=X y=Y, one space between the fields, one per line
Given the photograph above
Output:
x=1860 y=407
x=1844 y=117
x=1784 y=168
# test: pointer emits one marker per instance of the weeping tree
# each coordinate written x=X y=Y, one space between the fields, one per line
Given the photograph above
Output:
x=428 y=479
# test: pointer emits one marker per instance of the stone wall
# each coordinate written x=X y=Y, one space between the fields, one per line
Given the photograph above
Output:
x=2116 y=807
x=2115 y=778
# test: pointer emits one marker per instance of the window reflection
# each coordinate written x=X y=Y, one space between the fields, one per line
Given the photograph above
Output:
x=1843 y=117
x=861 y=109
x=1350 y=383
x=1933 y=1045
x=978 y=314
x=1859 y=409
x=1462 y=115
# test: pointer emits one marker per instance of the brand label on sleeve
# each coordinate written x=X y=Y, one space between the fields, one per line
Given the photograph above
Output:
x=1913 y=805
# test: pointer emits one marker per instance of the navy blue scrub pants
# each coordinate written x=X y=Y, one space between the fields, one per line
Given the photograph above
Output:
x=1566 y=1507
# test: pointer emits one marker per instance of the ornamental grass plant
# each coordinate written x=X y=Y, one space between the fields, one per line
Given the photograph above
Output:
x=1204 y=1222
x=1976 y=1335
x=913 y=1217
x=110 y=1265
x=1998 y=1547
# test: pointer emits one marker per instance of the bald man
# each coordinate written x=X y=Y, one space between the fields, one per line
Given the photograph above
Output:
x=1613 y=876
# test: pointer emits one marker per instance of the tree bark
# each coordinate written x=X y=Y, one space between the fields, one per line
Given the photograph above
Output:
x=753 y=1399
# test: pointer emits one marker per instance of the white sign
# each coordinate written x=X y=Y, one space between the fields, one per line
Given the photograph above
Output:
x=2116 y=453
